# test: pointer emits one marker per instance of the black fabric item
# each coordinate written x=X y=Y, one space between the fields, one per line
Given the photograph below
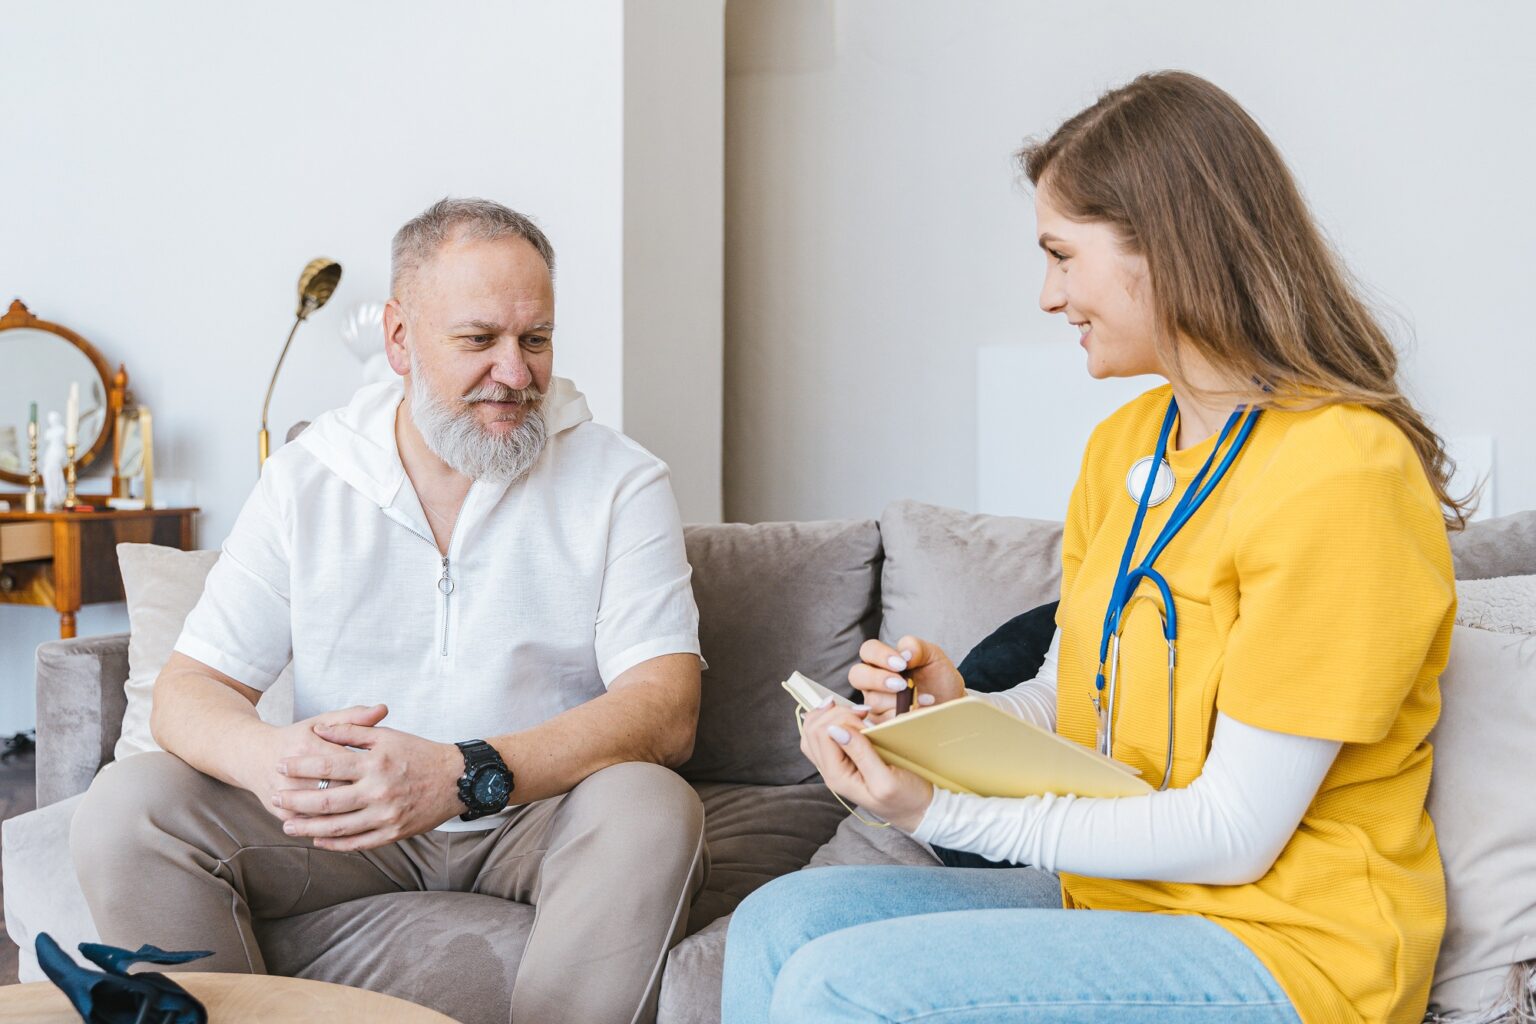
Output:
x=117 y=997
x=1013 y=653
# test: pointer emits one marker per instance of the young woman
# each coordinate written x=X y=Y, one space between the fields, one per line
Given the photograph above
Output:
x=1256 y=562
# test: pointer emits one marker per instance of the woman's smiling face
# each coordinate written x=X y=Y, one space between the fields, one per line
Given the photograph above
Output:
x=1104 y=291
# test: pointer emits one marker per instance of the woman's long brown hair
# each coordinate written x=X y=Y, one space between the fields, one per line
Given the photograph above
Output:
x=1238 y=267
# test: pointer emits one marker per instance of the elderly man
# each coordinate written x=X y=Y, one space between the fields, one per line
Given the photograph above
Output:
x=486 y=601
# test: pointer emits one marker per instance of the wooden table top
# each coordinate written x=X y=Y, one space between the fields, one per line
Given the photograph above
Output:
x=238 y=999
x=16 y=514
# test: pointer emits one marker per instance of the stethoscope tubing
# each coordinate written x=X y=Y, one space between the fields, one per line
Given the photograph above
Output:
x=1128 y=580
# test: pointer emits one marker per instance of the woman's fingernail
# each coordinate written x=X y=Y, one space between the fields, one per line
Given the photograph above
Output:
x=925 y=699
x=907 y=655
x=825 y=702
x=895 y=684
x=897 y=664
x=282 y=769
x=861 y=707
x=289 y=827
x=838 y=733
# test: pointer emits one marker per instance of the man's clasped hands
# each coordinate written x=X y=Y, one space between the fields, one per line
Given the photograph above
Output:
x=384 y=785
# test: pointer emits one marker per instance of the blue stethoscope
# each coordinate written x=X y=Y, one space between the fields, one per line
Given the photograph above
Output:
x=1159 y=478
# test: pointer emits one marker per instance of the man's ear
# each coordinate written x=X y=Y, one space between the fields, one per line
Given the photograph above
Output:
x=395 y=349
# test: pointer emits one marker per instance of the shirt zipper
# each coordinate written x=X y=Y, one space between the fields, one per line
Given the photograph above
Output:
x=445 y=587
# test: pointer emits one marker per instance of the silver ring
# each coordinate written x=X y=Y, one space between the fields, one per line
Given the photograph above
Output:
x=324 y=784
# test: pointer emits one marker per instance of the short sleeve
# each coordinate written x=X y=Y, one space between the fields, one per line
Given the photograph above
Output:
x=242 y=625
x=1344 y=590
x=646 y=606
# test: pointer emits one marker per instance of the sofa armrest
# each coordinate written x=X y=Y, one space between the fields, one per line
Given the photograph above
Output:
x=80 y=705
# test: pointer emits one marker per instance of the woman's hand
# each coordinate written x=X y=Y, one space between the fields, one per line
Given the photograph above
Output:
x=851 y=768
x=878 y=676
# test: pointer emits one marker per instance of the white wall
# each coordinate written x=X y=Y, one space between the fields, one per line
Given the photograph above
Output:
x=674 y=205
x=877 y=240
x=171 y=166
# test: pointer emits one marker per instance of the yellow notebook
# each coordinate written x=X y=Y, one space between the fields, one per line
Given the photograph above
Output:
x=969 y=746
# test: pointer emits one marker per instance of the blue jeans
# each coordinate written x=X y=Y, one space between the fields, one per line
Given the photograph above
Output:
x=975 y=945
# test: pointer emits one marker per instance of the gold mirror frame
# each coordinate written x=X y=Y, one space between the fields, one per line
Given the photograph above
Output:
x=20 y=316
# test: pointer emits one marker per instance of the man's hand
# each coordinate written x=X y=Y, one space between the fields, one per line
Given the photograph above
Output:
x=300 y=739
x=394 y=786
x=852 y=768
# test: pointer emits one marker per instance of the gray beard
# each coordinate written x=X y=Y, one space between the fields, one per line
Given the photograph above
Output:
x=468 y=448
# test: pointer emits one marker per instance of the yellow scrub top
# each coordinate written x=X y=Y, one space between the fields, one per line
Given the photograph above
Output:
x=1315 y=596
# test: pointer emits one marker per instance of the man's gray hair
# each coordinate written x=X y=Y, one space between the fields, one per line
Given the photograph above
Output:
x=423 y=235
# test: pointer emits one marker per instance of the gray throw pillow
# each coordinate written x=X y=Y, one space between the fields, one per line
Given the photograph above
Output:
x=1505 y=546
x=953 y=577
x=774 y=598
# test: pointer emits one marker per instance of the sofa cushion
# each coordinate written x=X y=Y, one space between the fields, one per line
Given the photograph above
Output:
x=754 y=835
x=454 y=952
x=41 y=891
x=858 y=843
x=952 y=577
x=458 y=953
x=161 y=585
x=1485 y=819
x=1505 y=546
x=774 y=598
x=690 y=988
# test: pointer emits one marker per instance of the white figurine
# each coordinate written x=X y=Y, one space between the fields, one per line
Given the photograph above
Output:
x=52 y=460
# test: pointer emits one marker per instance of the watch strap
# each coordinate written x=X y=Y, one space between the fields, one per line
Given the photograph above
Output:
x=478 y=754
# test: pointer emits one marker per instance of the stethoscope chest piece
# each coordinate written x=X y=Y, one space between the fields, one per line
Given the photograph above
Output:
x=1136 y=479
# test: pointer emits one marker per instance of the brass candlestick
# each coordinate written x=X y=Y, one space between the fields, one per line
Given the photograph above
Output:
x=69 y=476
x=32 y=478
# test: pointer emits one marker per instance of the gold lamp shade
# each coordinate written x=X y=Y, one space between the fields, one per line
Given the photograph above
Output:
x=317 y=283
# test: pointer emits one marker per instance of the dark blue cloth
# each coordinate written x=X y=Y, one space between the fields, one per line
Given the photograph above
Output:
x=116 y=997
x=1013 y=653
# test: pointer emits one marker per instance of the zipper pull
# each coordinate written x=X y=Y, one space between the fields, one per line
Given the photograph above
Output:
x=445 y=587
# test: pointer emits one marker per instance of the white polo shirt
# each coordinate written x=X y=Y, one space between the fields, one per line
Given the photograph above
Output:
x=560 y=581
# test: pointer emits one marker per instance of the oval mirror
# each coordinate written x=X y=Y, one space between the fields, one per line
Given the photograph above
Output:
x=38 y=362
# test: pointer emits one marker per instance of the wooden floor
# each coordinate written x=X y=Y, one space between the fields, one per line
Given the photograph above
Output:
x=18 y=794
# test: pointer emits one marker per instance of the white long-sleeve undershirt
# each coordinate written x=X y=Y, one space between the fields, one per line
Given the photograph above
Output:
x=1226 y=828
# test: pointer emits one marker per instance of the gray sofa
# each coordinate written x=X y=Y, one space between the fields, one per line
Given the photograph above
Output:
x=772 y=598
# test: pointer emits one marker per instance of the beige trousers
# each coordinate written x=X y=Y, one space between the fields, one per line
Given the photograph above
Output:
x=611 y=868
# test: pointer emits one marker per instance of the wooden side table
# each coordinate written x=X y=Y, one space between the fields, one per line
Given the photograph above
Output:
x=68 y=559
x=237 y=999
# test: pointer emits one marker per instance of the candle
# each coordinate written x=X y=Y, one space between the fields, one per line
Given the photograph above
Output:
x=32 y=419
x=72 y=415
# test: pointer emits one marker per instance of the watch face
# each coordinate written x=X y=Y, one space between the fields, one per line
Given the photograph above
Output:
x=491 y=787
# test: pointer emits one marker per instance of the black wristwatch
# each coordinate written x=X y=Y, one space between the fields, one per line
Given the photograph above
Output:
x=486 y=784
